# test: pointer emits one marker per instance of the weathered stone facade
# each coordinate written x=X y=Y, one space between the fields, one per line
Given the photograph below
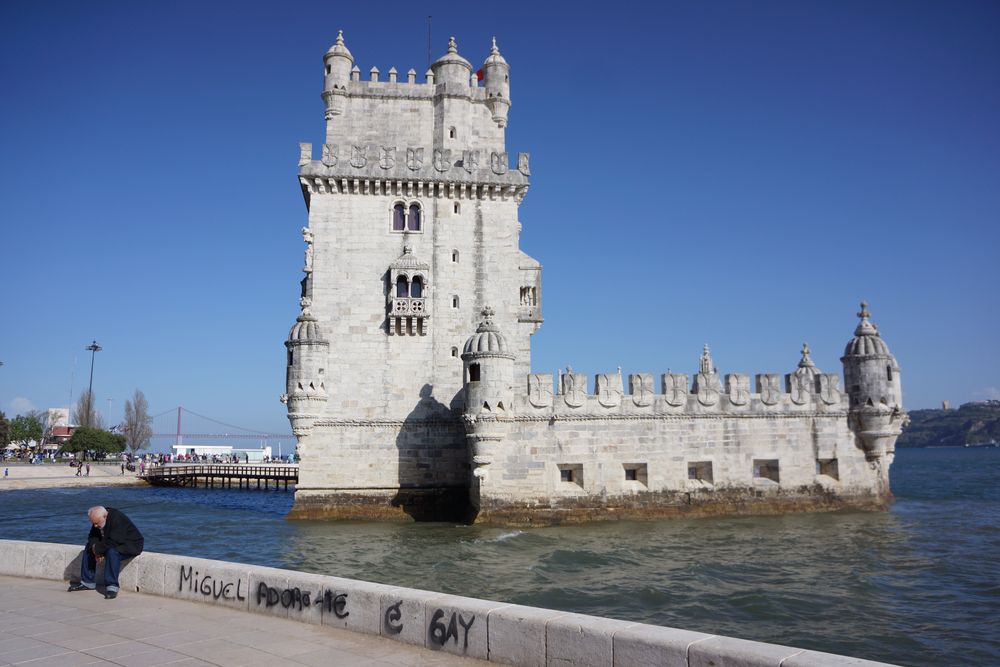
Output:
x=412 y=241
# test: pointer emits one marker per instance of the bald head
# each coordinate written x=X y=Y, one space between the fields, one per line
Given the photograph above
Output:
x=97 y=515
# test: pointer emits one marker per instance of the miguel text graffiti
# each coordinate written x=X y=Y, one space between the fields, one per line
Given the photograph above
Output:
x=209 y=586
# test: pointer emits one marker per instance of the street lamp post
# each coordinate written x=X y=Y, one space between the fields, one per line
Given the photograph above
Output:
x=94 y=348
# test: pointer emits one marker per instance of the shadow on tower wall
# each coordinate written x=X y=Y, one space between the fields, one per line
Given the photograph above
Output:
x=433 y=463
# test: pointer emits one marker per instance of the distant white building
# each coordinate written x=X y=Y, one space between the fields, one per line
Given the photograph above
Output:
x=250 y=455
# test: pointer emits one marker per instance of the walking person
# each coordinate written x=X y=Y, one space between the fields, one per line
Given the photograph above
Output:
x=79 y=469
x=88 y=470
x=112 y=537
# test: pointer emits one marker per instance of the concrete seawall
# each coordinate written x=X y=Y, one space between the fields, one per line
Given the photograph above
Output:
x=498 y=632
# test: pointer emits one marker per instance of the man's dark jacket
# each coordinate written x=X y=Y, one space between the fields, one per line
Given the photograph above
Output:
x=119 y=534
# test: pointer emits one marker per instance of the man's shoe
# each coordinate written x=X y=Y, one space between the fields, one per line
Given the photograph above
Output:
x=111 y=595
x=78 y=587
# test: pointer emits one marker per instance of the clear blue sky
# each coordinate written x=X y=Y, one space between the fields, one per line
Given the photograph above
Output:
x=737 y=173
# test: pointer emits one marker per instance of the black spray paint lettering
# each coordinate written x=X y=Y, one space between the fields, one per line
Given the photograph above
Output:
x=210 y=587
x=439 y=633
x=335 y=602
x=392 y=616
x=288 y=598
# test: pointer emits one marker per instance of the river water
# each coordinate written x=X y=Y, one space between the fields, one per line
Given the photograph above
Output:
x=917 y=585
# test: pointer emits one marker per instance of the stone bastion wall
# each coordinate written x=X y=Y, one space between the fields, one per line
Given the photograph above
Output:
x=507 y=634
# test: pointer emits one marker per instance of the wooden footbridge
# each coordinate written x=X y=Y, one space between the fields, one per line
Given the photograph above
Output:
x=206 y=475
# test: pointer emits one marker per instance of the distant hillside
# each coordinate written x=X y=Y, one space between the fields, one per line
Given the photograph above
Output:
x=971 y=423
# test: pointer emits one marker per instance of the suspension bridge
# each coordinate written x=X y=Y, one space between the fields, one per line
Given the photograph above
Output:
x=184 y=426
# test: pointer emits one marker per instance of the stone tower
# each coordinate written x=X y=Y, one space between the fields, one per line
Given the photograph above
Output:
x=413 y=229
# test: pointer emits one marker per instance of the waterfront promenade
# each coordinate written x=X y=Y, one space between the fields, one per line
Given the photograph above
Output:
x=41 y=624
x=53 y=475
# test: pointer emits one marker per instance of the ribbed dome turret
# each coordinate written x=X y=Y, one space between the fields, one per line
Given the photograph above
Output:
x=306 y=327
x=867 y=341
x=487 y=340
x=339 y=48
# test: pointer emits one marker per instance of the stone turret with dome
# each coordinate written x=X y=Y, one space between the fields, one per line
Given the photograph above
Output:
x=337 y=65
x=496 y=77
x=305 y=385
x=874 y=392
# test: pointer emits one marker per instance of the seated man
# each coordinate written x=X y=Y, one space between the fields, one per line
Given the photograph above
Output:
x=112 y=537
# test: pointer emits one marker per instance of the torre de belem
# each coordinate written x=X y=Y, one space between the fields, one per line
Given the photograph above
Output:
x=409 y=382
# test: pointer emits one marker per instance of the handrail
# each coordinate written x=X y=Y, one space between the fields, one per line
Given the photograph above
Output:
x=219 y=469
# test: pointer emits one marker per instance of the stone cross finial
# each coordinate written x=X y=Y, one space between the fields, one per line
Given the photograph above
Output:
x=407 y=249
x=806 y=361
x=864 y=310
x=494 y=51
x=488 y=314
x=452 y=47
x=340 y=37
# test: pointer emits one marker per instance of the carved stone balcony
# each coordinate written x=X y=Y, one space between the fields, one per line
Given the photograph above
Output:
x=408 y=316
x=409 y=307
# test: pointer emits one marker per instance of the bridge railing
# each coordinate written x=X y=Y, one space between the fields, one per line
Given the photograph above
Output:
x=286 y=471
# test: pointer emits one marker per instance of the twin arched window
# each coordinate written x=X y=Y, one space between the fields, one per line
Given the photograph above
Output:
x=413 y=289
x=406 y=219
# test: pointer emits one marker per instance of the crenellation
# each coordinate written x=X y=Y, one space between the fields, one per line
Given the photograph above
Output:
x=413 y=243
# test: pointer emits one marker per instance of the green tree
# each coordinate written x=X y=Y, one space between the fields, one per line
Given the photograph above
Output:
x=94 y=441
x=4 y=431
x=138 y=423
x=25 y=428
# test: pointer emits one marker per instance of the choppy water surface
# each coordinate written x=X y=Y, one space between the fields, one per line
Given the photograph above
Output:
x=918 y=585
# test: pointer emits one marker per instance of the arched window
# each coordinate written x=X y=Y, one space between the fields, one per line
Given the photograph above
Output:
x=417 y=287
x=398 y=218
x=888 y=373
x=451 y=133
x=473 y=372
x=454 y=302
x=454 y=352
x=402 y=289
x=413 y=219
x=454 y=256
x=458 y=209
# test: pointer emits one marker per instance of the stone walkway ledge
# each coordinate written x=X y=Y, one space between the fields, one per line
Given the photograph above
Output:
x=191 y=611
